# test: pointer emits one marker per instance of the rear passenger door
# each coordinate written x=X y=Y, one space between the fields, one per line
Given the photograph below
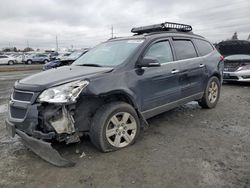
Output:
x=191 y=67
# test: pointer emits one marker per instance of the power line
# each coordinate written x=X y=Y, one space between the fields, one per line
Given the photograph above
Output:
x=56 y=44
x=112 y=31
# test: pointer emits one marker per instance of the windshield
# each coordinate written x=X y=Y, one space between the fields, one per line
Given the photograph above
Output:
x=110 y=53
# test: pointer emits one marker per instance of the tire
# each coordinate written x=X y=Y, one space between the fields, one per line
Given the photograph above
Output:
x=45 y=61
x=212 y=93
x=10 y=62
x=121 y=134
x=29 y=62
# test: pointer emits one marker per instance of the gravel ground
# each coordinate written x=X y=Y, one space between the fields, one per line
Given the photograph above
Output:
x=185 y=147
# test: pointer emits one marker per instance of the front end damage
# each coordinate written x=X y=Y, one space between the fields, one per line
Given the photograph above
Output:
x=41 y=122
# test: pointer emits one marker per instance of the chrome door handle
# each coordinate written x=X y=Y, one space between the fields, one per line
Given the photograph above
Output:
x=175 y=71
x=201 y=65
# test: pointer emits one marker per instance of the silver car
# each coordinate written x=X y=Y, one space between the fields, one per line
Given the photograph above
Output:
x=237 y=68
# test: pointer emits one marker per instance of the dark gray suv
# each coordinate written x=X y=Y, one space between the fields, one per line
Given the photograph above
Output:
x=110 y=92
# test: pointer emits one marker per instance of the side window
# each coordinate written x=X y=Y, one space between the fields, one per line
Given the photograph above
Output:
x=184 y=49
x=161 y=51
x=203 y=47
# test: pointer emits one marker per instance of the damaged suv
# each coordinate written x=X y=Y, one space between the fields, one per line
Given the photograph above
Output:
x=110 y=92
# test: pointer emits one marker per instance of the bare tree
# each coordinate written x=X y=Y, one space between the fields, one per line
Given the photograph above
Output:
x=235 y=36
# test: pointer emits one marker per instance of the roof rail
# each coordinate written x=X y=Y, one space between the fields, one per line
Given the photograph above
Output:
x=162 y=27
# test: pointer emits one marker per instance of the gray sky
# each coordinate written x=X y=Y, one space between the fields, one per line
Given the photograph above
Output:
x=86 y=23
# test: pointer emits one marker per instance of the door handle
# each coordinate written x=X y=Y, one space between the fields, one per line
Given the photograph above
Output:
x=201 y=65
x=174 y=71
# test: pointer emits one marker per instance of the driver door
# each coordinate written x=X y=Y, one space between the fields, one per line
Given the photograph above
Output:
x=159 y=86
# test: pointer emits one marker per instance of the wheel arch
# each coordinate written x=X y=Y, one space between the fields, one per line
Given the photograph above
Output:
x=88 y=105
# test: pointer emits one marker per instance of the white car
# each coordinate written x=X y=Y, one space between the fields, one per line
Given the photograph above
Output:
x=237 y=68
x=8 y=60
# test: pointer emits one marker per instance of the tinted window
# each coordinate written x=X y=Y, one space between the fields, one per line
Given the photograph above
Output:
x=161 y=51
x=204 y=47
x=184 y=49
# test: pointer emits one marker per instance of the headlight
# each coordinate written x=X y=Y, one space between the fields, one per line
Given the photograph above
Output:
x=64 y=93
x=244 y=67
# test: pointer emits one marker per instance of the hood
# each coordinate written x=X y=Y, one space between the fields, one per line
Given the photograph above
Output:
x=52 y=77
x=238 y=57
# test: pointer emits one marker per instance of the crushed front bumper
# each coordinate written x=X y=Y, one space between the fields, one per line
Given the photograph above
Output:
x=39 y=147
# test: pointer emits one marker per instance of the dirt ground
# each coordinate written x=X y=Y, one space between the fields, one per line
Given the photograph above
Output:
x=185 y=147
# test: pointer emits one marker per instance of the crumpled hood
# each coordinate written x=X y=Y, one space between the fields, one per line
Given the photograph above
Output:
x=45 y=79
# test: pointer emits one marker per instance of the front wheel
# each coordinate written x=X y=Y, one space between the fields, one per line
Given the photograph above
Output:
x=10 y=62
x=212 y=93
x=114 y=126
x=45 y=61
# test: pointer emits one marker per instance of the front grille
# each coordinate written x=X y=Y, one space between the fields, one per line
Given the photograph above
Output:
x=18 y=113
x=22 y=95
x=231 y=67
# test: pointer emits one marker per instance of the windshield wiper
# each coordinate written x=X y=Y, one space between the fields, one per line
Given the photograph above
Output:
x=90 y=65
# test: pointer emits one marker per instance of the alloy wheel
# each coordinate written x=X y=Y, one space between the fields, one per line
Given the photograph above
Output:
x=213 y=92
x=121 y=129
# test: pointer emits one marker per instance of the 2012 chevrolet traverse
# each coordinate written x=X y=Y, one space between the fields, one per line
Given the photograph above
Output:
x=110 y=92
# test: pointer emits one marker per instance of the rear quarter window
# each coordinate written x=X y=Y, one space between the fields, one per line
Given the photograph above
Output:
x=203 y=47
x=184 y=49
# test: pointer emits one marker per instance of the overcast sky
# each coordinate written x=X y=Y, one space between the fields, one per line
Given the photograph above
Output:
x=85 y=23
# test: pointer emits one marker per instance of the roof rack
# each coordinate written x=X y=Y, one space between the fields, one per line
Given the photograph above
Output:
x=162 y=27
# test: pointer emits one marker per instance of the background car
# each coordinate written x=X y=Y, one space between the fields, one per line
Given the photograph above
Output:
x=68 y=60
x=74 y=56
x=8 y=60
x=19 y=58
x=37 y=58
x=237 y=68
x=62 y=56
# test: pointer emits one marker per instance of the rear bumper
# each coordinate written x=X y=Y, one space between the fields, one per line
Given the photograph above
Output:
x=241 y=76
x=39 y=147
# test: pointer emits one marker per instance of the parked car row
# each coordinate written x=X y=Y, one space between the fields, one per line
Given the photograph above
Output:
x=58 y=58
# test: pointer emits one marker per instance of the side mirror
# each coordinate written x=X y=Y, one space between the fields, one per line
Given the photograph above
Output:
x=149 y=62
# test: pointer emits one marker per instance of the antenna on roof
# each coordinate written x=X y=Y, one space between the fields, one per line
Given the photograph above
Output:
x=166 y=26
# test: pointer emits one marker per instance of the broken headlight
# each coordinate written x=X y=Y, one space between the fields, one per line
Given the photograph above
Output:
x=64 y=93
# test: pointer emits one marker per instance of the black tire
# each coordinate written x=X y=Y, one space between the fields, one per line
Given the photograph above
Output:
x=10 y=62
x=205 y=102
x=29 y=62
x=45 y=61
x=102 y=119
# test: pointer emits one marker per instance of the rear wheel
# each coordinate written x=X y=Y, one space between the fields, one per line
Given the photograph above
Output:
x=212 y=93
x=114 y=126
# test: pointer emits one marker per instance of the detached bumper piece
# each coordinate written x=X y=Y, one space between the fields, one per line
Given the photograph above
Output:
x=44 y=150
